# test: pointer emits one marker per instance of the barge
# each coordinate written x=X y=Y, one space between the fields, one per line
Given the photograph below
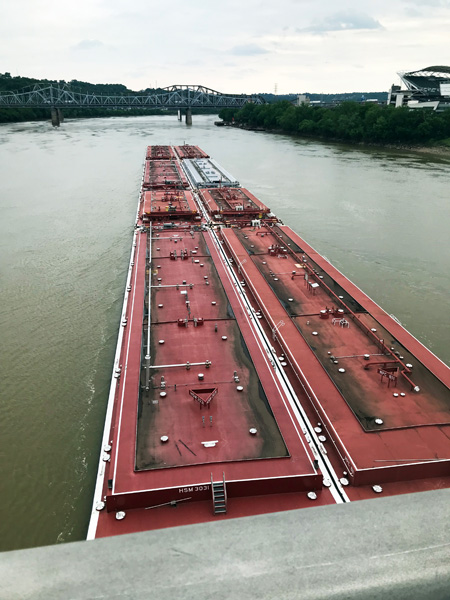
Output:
x=250 y=375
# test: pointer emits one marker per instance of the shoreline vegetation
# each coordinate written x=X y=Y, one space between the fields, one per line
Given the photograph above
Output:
x=363 y=124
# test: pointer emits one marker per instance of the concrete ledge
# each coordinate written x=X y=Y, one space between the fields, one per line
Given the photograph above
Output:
x=397 y=547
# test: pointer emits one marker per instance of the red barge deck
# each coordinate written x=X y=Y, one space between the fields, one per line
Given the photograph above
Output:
x=250 y=375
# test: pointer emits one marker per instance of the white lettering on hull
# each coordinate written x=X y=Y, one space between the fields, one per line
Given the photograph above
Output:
x=195 y=488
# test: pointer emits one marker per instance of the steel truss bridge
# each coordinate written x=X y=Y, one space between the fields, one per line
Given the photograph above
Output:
x=173 y=97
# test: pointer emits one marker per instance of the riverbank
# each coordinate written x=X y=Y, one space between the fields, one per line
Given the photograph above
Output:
x=441 y=150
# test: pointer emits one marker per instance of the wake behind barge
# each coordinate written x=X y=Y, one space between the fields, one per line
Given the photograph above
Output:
x=250 y=375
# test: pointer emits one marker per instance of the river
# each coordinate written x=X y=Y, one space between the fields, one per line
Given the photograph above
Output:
x=68 y=204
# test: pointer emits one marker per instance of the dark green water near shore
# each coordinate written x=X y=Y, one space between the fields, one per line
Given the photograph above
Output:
x=68 y=201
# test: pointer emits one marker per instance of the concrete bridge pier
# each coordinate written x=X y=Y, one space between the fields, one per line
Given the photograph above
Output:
x=55 y=112
x=180 y=117
x=60 y=115
x=188 y=116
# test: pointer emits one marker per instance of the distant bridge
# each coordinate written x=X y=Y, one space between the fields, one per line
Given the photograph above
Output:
x=174 y=97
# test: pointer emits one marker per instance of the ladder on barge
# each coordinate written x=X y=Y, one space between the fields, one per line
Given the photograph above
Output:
x=219 y=495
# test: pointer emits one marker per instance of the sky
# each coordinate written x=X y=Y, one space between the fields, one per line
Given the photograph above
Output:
x=232 y=46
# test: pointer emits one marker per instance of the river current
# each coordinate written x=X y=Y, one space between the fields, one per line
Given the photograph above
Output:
x=68 y=202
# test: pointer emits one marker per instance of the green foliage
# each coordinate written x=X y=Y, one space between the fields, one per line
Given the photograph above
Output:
x=349 y=121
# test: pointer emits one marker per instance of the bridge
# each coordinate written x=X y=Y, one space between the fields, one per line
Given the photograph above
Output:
x=180 y=97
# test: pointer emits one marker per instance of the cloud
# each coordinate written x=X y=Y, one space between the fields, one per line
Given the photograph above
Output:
x=443 y=3
x=248 y=50
x=344 y=21
x=88 y=45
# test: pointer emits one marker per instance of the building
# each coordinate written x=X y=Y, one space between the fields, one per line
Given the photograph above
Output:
x=302 y=99
x=425 y=88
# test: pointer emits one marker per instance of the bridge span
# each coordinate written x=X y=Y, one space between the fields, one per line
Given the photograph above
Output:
x=180 y=97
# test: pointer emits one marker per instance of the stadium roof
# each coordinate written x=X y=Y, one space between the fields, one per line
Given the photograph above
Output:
x=426 y=80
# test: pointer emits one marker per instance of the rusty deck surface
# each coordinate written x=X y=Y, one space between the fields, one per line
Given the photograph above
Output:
x=189 y=151
x=164 y=174
x=159 y=153
x=195 y=447
x=333 y=343
x=232 y=201
x=167 y=203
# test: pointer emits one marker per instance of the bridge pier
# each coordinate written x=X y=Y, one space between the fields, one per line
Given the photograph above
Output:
x=55 y=112
x=180 y=116
x=57 y=117
x=188 y=116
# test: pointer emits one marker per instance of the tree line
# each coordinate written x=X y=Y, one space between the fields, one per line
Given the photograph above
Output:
x=349 y=121
x=19 y=84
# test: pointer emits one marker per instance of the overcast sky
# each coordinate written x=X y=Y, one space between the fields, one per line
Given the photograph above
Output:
x=239 y=46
